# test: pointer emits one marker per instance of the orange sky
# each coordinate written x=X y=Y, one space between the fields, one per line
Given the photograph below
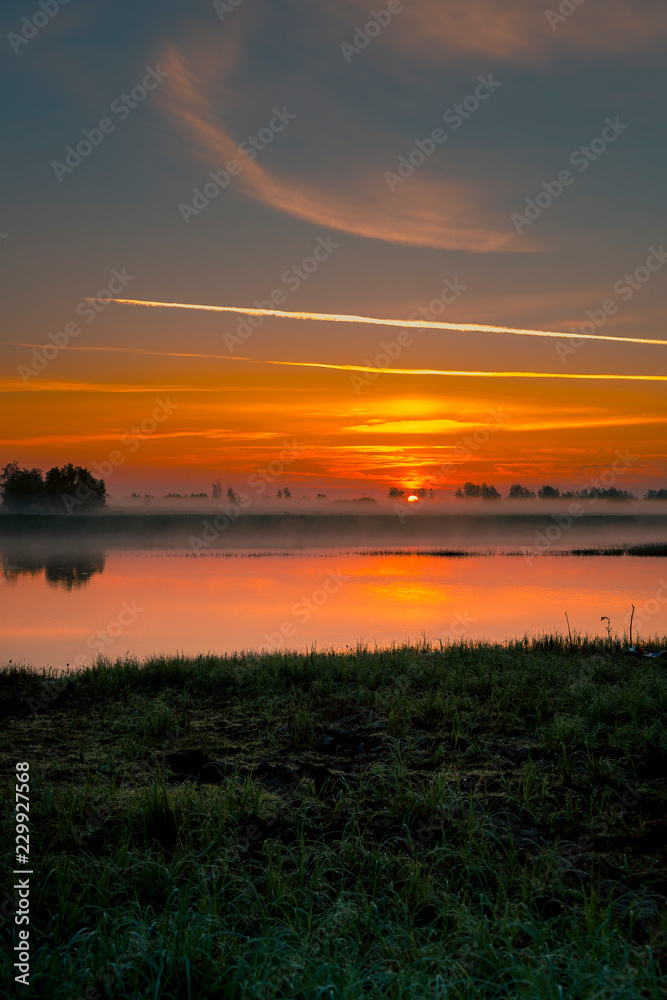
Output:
x=206 y=418
x=311 y=224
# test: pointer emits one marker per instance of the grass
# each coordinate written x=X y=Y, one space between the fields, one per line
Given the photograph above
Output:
x=479 y=821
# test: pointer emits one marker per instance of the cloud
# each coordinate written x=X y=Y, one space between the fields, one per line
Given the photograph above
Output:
x=371 y=369
x=425 y=211
x=50 y=385
x=519 y=32
x=445 y=426
x=417 y=324
x=83 y=438
x=414 y=426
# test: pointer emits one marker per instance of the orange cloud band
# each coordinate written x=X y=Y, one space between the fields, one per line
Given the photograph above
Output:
x=370 y=368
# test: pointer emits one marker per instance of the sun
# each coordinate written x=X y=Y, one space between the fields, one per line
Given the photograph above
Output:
x=413 y=498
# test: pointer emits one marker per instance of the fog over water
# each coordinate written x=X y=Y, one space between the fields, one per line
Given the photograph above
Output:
x=114 y=584
x=202 y=525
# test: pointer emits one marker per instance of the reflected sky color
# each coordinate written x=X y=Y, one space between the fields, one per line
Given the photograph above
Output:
x=146 y=603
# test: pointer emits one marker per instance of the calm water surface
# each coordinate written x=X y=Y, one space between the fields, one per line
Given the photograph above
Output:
x=57 y=612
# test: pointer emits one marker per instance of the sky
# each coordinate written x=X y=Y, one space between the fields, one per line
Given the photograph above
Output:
x=460 y=161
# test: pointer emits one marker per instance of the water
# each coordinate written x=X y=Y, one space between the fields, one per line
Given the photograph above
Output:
x=61 y=611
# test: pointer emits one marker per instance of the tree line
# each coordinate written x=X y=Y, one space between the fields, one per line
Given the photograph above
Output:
x=422 y=492
x=63 y=489
x=74 y=488
x=517 y=491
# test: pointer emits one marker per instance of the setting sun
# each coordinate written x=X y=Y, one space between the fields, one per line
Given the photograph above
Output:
x=275 y=716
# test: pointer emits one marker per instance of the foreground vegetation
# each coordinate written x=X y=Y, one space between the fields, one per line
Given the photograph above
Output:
x=481 y=821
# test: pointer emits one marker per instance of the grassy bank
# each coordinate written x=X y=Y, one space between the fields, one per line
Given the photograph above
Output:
x=481 y=821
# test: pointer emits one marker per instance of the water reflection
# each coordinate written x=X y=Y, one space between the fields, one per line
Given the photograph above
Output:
x=66 y=569
x=147 y=602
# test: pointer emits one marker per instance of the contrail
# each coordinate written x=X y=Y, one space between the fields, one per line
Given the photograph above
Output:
x=374 y=321
x=362 y=368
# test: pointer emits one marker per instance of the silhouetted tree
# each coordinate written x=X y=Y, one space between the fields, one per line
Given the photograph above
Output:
x=606 y=494
x=21 y=488
x=519 y=492
x=656 y=495
x=66 y=489
x=474 y=490
x=73 y=488
x=395 y=492
x=548 y=492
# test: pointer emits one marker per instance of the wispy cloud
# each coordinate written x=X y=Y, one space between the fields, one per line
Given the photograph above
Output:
x=446 y=426
x=420 y=324
x=441 y=425
x=50 y=385
x=382 y=371
x=518 y=32
x=212 y=434
x=430 y=211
